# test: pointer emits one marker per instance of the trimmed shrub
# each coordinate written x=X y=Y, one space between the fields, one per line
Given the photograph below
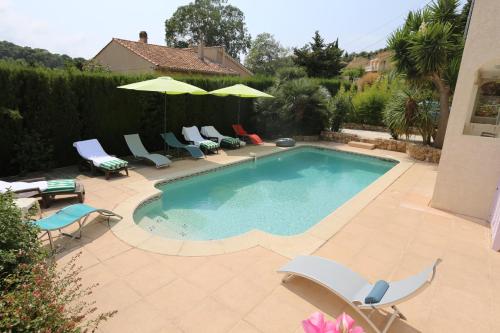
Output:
x=32 y=152
x=342 y=106
x=333 y=85
x=290 y=73
x=369 y=104
x=59 y=107
x=10 y=131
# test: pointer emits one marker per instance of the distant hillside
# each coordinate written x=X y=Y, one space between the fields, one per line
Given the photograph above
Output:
x=382 y=55
x=366 y=55
x=36 y=57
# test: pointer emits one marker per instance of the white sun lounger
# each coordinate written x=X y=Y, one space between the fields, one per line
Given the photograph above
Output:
x=136 y=147
x=46 y=189
x=212 y=132
x=353 y=288
x=92 y=153
x=192 y=135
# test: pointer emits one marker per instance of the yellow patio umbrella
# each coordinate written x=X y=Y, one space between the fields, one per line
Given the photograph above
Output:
x=240 y=90
x=168 y=86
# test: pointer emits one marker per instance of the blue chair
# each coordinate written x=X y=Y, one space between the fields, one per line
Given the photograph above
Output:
x=68 y=215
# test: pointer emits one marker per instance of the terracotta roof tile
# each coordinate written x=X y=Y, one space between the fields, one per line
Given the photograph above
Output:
x=174 y=59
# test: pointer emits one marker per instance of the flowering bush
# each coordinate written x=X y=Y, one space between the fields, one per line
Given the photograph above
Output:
x=40 y=298
x=36 y=295
x=316 y=323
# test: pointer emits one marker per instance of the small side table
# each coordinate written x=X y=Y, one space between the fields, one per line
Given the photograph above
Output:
x=28 y=204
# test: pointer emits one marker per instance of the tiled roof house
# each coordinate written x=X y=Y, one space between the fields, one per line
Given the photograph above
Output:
x=127 y=56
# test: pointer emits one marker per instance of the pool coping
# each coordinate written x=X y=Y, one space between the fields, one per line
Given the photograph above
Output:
x=290 y=246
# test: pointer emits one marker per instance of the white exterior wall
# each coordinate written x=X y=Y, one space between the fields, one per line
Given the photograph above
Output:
x=470 y=165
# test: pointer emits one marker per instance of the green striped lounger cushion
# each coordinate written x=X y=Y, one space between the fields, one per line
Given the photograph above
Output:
x=60 y=185
x=209 y=145
x=230 y=142
x=114 y=164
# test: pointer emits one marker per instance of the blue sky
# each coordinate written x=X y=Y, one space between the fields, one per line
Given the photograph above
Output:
x=82 y=28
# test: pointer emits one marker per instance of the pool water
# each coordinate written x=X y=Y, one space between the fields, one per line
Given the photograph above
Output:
x=281 y=194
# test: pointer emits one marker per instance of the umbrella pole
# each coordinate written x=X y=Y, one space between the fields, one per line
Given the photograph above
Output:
x=165 y=123
x=239 y=107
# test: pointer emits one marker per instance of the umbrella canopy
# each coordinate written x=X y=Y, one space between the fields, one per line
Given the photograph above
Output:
x=240 y=90
x=168 y=86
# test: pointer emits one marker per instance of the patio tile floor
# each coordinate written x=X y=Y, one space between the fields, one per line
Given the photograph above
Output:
x=396 y=235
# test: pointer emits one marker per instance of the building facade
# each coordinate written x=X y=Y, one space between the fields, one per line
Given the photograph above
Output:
x=469 y=170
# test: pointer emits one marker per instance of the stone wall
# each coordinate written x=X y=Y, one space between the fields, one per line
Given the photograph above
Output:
x=416 y=151
x=387 y=144
x=365 y=127
x=374 y=128
x=423 y=153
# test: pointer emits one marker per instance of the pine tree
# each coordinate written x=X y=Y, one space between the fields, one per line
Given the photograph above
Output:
x=320 y=59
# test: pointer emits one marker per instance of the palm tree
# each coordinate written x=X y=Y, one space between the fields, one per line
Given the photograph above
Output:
x=409 y=108
x=301 y=105
x=428 y=48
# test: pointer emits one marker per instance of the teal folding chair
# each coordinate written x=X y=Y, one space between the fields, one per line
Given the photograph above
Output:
x=78 y=213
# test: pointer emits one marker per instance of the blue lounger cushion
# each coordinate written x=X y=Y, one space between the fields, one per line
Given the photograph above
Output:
x=378 y=291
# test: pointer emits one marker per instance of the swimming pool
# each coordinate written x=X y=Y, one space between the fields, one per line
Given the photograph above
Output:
x=282 y=194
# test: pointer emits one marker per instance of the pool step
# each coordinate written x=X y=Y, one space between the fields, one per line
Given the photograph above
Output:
x=363 y=145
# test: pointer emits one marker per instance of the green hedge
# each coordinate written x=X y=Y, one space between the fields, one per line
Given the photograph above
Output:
x=333 y=85
x=370 y=102
x=59 y=107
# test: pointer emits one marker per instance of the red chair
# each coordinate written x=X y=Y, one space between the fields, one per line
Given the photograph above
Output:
x=240 y=131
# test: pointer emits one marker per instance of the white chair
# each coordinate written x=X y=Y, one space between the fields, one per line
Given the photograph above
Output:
x=225 y=141
x=355 y=289
x=96 y=158
x=193 y=136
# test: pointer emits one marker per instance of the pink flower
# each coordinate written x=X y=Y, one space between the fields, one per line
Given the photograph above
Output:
x=316 y=323
x=345 y=324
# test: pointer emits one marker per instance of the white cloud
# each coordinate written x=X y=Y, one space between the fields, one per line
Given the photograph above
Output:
x=20 y=28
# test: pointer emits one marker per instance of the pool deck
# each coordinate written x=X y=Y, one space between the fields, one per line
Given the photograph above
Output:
x=393 y=235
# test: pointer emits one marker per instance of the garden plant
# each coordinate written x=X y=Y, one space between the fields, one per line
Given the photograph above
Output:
x=35 y=294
